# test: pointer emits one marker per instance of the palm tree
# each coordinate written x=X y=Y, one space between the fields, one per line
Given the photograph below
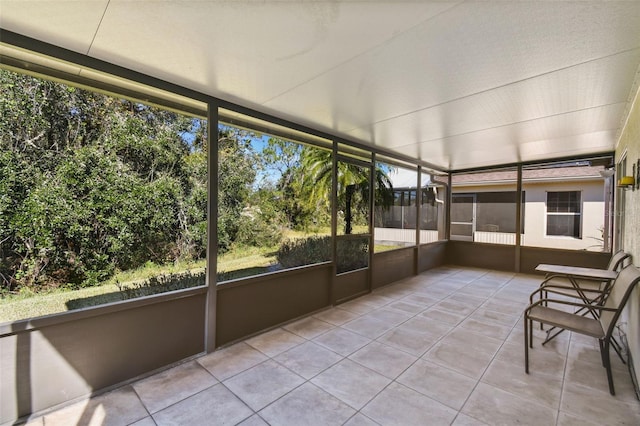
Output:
x=353 y=183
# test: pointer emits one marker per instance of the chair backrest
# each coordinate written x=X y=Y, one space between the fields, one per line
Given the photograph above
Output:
x=620 y=292
x=616 y=262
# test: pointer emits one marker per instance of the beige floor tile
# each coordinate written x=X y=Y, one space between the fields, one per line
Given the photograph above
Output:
x=336 y=316
x=421 y=324
x=467 y=299
x=360 y=420
x=147 y=421
x=173 y=385
x=437 y=293
x=594 y=376
x=392 y=317
x=443 y=316
x=254 y=420
x=420 y=299
x=341 y=341
x=307 y=405
x=275 y=341
x=541 y=389
x=377 y=300
x=457 y=356
x=215 y=404
x=497 y=407
x=441 y=384
x=506 y=307
x=351 y=383
x=308 y=359
x=601 y=407
x=228 y=362
x=464 y=420
x=476 y=291
x=309 y=327
x=455 y=307
x=478 y=342
x=488 y=329
x=408 y=340
x=489 y=316
x=383 y=359
x=401 y=406
x=541 y=361
x=559 y=344
x=122 y=406
x=395 y=291
x=263 y=384
x=565 y=419
x=358 y=306
x=579 y=352
x=369 y=326
x=406 y=306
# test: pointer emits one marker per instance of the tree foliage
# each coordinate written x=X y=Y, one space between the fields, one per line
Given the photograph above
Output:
x=90 y=184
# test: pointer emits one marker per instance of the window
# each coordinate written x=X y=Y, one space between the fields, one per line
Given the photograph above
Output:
x=274 y=198
x=395 y=206
x=102 y=199
x=564 y=214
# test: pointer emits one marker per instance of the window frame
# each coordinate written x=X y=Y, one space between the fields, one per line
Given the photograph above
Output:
x=577 y=214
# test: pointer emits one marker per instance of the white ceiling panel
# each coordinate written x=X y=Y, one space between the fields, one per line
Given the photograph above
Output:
x=575 y=88
x=71 y=24
x=496 y=145
x=455 y=84
x=252 y=51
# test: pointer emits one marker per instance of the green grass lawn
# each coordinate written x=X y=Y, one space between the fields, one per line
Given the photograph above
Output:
x=234 y=264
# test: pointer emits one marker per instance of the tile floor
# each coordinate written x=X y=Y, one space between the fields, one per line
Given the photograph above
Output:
x=444 y=347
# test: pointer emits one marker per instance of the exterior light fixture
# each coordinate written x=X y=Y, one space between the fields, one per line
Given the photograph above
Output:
x=626 y=182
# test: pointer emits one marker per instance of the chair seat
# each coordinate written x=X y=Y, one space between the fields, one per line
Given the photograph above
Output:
x=567 y=320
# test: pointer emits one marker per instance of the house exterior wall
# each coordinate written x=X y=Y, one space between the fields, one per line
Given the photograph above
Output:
x=629 y=143
x=535 y=213
x=535 y=219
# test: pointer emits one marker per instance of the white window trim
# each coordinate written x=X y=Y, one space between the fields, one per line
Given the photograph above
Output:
x=546 y=216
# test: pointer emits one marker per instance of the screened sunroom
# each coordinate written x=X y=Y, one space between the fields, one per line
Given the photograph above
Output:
x=361 y=191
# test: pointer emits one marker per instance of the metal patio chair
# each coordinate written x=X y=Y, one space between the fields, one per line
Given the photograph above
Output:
x=593 y=289
x=600 y=328
x=580 y=286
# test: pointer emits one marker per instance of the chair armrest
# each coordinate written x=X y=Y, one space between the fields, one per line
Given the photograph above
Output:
x=546 y=301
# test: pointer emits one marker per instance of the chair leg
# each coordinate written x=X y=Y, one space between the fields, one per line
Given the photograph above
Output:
x=526 y=344
x=607 y=365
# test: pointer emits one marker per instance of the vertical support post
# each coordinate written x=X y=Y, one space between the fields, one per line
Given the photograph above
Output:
x=447 y=221
x=416 y=258
x=212 y=228
x=372 y=204
x=518 y=218
x=608 y=203
x=334 y=220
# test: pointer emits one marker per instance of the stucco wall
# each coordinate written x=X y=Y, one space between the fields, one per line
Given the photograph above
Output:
x=630 y=143
x=535 y=219
x=535 y=210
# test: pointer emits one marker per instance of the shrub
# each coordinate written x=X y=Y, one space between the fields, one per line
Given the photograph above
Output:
x=352 y=253
x=161 y=284
x=299 y=252
x=255 y=231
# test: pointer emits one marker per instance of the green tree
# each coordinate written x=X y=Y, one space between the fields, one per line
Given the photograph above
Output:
x=353 y=185
x=236 y=174
x=91 y=183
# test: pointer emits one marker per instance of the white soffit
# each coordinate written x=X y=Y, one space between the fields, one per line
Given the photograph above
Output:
x=455 y=84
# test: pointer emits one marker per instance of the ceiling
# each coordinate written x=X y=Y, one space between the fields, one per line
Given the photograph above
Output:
x=454 y=84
